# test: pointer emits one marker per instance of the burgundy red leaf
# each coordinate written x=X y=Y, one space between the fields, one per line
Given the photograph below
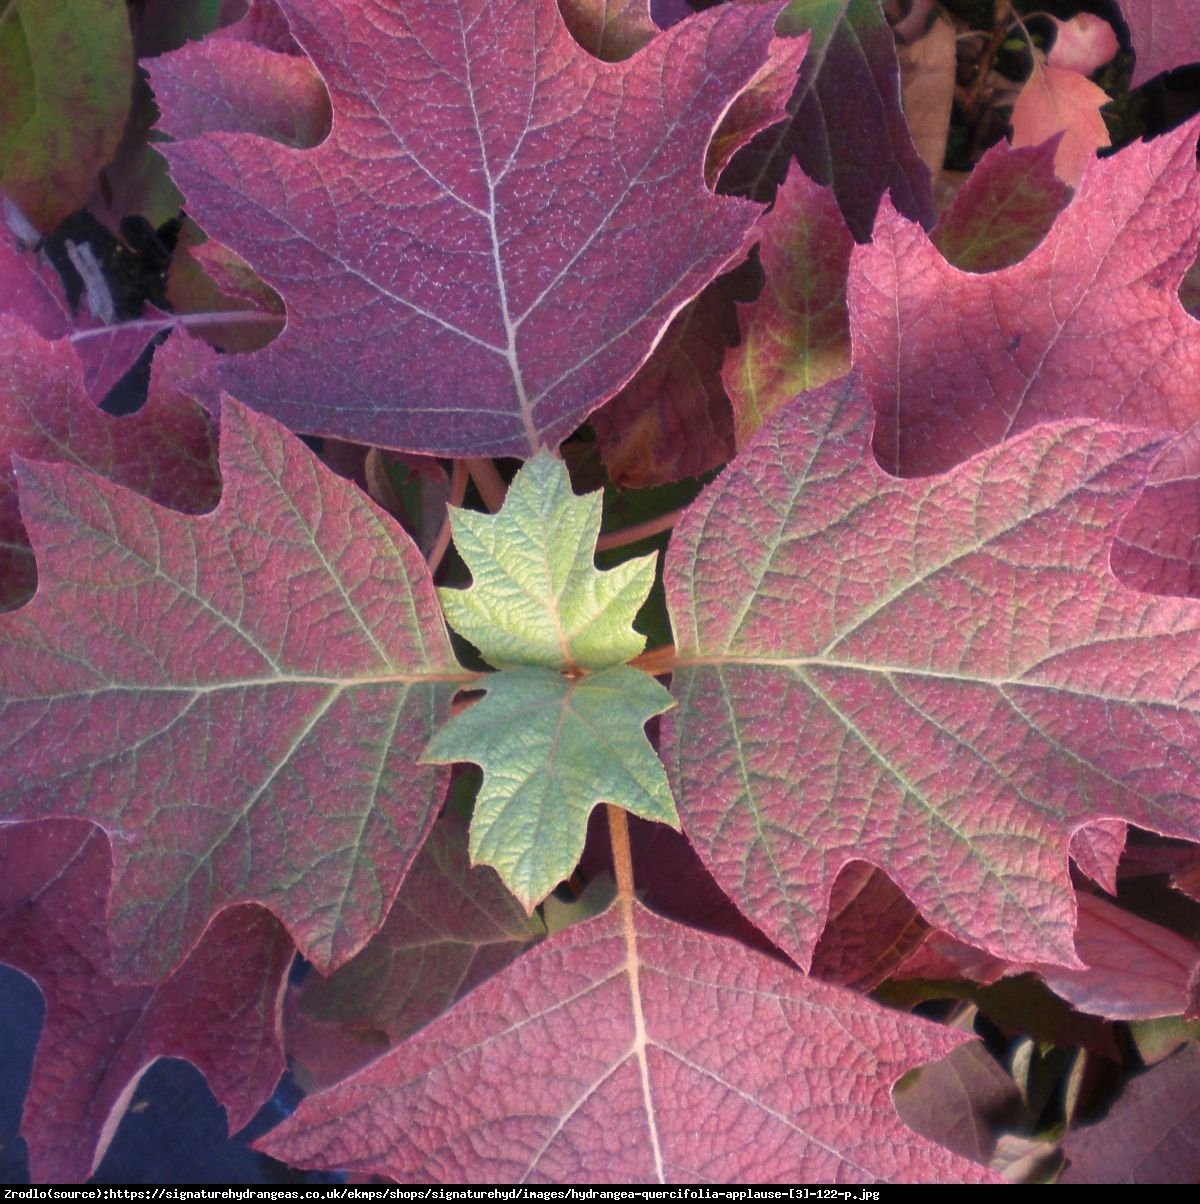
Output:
x=166 y=451
x=446 y=291
x=268 y=674
x=955 y=362
x=220 y=1010
x=451 y=928
x=940 y=677
x=629 y=1049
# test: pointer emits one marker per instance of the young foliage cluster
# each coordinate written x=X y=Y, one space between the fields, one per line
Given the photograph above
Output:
x=673 y=448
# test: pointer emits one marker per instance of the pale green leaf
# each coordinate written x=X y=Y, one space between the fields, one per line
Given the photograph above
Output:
x=537 y=597
x=551 y=748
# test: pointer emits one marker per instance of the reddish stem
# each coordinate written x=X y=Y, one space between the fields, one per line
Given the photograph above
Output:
x=488 y=481
x=441 y=541
x=236 y=317
x=618 y=834
x=639 y=531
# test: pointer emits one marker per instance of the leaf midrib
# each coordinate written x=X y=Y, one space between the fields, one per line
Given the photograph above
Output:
x=800 y=663
x=461 y=678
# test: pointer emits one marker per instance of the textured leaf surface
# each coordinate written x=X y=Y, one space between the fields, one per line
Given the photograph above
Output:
x=219 y=1010
x=1157 y=549
x=1097 y=850
x=165 y=451
x=66 y=75
x=262 y=23
x=451 y=928
x=848 y=130
x=796 y=335
x=30 y=290
x=1165 y=36
x=956 y=362
x=1151 y=1134
x=537 y=597
x=552 y=748
x=268 y=675
x=939 y=677
x=629 y=1049
x=446 y=291
x=208 y=278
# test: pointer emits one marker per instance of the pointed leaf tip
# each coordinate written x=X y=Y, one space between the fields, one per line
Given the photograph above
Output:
x=552 y=748
x=266 y=674
x=537 y=597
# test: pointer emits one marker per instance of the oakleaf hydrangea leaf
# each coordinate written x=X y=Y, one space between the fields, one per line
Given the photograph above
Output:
x=451 y=928
x=940 y=677
x=219 y=1010
x=448 y=288
x=551 y=747
x=537 y=597
x=629 y=1049
x=956 y=361
x=237 y=699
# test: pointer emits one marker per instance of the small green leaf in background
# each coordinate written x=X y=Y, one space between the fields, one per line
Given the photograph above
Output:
x=537 y=597
x=66 y=80
x=551 y=748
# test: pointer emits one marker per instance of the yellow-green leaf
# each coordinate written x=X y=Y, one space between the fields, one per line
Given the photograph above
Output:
x=537 y=596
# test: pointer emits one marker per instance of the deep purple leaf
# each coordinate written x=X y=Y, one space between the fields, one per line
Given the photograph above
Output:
x=446 y=290
x=1150 y=1135
x=848 y=130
